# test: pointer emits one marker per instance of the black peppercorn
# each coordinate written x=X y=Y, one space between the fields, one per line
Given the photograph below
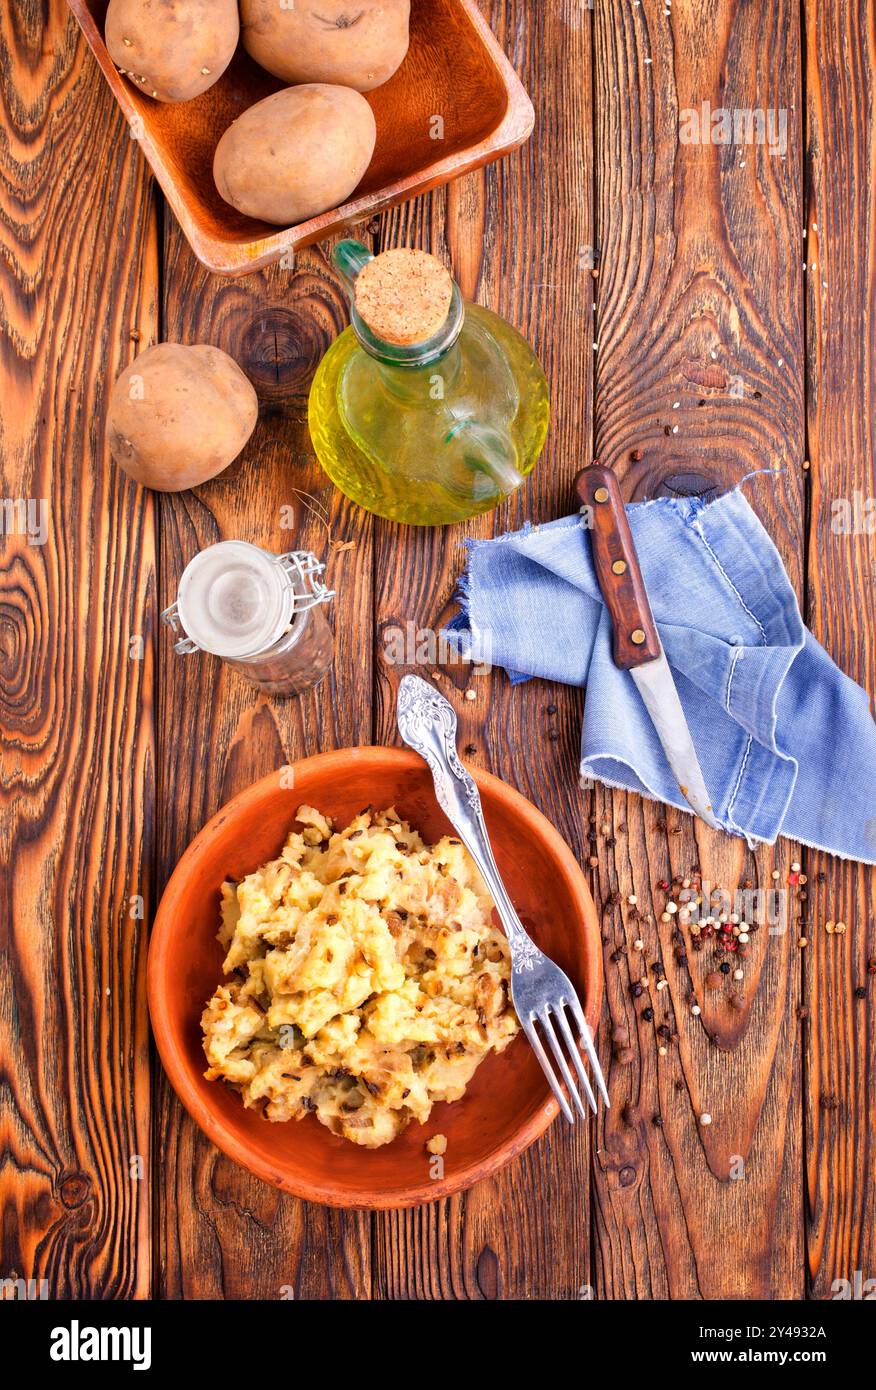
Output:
x=637 y=990
x=861 y=992
x=725 y=967
x=648 y=1014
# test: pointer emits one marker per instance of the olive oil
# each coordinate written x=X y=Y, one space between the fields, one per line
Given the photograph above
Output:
x=430 y=430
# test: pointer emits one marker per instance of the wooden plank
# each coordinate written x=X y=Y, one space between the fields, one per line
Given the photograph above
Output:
x=220 y=1231
x=518 y=237
x=699 y=381
x=841 y=380
x=77 y=754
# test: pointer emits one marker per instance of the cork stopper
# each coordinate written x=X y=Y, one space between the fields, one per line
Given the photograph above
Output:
x=403 y=296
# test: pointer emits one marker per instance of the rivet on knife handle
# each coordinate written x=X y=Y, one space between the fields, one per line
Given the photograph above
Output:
x=617 y=569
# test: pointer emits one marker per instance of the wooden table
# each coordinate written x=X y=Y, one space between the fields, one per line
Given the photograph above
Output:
x=705 y=350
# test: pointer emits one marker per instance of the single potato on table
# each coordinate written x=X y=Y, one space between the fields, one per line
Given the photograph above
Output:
x=357 y=43
x=296 y=154
x=172 y=50
x=180 y=415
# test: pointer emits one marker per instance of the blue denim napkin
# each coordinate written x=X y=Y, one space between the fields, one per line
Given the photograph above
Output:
x=786 y=742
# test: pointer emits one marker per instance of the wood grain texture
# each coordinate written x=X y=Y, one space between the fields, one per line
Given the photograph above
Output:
x=699 y=381
x=77 y=618
x=519 y=238
x=221 y=1232
x=841 y=417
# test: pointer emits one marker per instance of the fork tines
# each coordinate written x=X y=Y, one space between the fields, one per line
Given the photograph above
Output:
x=556 y=1010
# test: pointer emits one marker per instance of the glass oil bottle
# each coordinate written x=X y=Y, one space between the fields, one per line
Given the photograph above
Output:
x=426 y=410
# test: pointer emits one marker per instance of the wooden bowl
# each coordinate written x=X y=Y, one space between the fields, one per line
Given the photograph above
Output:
x=508 y=1103
x=454 y=70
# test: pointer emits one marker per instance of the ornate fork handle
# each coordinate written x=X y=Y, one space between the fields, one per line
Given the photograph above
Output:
x=427 y=723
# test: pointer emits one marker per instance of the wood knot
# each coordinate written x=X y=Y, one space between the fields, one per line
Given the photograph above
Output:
x=488 y=1274
x=687 y=485
x=280 y=351
x=74 y=1189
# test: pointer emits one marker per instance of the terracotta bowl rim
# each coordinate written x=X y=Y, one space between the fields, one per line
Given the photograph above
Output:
x=203 y=1114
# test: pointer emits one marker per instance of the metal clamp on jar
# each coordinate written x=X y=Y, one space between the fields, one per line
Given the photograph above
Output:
x=263 y=614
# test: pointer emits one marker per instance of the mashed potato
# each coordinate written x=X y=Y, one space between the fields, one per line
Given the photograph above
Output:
x=366 y=981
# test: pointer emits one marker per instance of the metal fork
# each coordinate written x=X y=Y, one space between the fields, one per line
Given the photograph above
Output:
x=540 y=991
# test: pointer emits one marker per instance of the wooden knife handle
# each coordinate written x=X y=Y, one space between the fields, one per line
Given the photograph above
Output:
x=617 y=568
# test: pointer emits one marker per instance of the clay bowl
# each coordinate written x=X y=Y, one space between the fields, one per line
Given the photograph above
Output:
x=507 y=1105
x=454 y=67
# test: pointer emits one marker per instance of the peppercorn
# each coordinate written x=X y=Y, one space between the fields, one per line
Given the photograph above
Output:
x=861 y=992
x=664 y=1030
x=636 y=455
x=656 y=1120
x=737 y=1001
x=829 y=1102
x=713 y=980
x=624 y=1055
x=648 y=1014
x=802 y=1011
x=620 y=1035
x=637 y=990
x=724 y=967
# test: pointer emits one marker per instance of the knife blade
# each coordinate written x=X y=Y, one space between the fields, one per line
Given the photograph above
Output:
x=636 y=643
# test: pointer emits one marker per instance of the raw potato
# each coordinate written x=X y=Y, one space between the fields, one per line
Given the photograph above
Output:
x=296 y=154
x=172 y=49
x=356 y=43
x=179 y=415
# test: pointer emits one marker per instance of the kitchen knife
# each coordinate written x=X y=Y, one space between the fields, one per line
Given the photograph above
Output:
x=636 y=644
